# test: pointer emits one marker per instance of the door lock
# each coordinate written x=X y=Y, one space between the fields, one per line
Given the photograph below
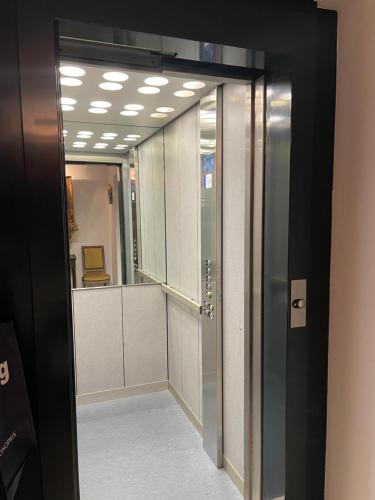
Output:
x=298 y=303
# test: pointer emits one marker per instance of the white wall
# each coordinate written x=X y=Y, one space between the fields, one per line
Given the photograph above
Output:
x=182 y=187
x=351 y=396
x=95 y=217
x=151 y=203
x=120 y=337
x=235 y=113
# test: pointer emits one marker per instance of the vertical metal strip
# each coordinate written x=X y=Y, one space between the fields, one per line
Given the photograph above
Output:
x=211 y=275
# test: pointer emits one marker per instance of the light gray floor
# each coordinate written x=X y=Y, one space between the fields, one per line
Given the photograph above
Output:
x=145 y=448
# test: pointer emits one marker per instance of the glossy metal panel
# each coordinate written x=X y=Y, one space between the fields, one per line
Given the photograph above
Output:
x=211 y=276
x=253 y=297
x=275 y=293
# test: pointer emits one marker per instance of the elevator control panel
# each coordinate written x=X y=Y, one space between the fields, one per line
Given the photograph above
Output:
x=208 y=306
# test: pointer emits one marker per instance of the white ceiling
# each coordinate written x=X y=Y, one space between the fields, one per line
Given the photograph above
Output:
x=112 y=121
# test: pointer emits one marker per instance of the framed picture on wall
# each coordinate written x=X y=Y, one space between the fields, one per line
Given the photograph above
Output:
x=72 y=226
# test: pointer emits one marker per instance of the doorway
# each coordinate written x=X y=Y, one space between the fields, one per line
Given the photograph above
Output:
x=171 y=334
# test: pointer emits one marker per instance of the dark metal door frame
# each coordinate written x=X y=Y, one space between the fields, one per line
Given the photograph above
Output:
x=307 y=37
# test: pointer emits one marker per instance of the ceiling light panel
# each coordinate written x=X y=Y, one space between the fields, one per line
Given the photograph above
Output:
x=134 y=107
x=129 y=113
x=67 y=107
x=115 y=76
x=165 y=109
x=135 y=126
x=194 y=85
x=184 y=93
x=68 y=100
x=72 y=71
x=112 y=86
x=157 y=81
x=100 y=104
x=98 y=111
x=148 y=90
x=70 y=82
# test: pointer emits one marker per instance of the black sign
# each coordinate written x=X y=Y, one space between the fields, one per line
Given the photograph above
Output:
x=17 y=436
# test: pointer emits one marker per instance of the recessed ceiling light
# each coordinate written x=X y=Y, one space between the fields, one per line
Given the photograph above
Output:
x=65 y=131
x=115 y=76
x=184 y=93
x=107 y=137
x=158 y=115
x=78 y=144
x=110 y=86
x=134 y=107
x=158 y=81
x=72 y=71
x=98 y=111
x=121 y=146
x=128 y=138
x=68 y=100
x=100 y=104
x=165 y=109
x=99 y=147
x=135 y=136
x=70 y=82
x=83 y=136
x=109 y=134
x=129 y=113
x=88 y=132
x=148 y=90
x=193 y=85
x=66 y=107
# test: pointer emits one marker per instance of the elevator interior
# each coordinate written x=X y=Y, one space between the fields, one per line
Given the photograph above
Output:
x=157 y=166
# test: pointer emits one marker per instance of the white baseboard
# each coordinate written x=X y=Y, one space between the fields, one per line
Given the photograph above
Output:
x=233 y=474
x=137 y=390
x=188 y=412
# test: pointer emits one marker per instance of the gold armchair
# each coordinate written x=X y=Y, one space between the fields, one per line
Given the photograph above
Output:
x=94 y=266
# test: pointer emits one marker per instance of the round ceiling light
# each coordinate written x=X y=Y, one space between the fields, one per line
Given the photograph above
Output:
x=134 y=136
x=70 y=82
x=68 y=100
x=110 y=86
x=184 y=93
x=148 y=90
x=194 y=85
x=100 y=104
x=165 y=109
x=115 y=76
x=72 y=71
x=134 y=107
x=98 y=111
x=67 y=107
x=129 y=113
x=158 y=81
x=158 y=115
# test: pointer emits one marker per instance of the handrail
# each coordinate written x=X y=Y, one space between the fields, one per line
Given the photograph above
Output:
x=182 y=298
x=168 y=290
x=147 y=276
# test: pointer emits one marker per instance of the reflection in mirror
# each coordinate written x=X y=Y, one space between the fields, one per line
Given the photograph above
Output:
x=94 y=209
x=114 y=128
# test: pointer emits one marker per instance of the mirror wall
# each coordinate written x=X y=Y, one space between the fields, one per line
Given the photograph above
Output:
x=114 y=136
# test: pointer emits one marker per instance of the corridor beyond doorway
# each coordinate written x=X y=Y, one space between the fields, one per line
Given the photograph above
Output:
x=145 y=447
